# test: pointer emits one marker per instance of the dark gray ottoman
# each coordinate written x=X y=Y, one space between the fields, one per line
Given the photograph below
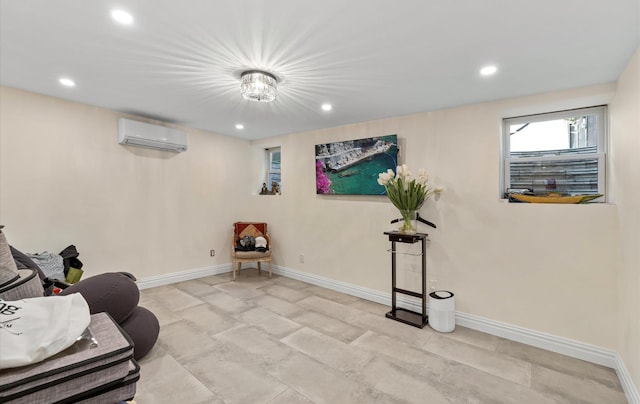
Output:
x=117 y=294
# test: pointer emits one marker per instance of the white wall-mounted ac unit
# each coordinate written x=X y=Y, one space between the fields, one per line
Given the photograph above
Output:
x=143 y=134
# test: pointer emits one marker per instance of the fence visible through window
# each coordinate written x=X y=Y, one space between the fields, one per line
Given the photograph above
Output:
x=565 y=176
x=559 y=152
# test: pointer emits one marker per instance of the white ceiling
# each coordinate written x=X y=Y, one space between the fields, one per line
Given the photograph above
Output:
x=181 y=61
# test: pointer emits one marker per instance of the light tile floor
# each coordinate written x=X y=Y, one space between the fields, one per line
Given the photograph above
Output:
x=279 y=340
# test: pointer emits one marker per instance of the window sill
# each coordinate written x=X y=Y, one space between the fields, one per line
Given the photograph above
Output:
x=506 y=202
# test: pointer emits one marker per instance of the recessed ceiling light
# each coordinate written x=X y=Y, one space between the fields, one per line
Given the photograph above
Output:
x=67 y=82
x=488 y=70
x=239 y=126
x=122 y=17
x=326 y=107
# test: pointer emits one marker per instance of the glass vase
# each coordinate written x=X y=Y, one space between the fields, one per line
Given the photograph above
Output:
x=409 y=222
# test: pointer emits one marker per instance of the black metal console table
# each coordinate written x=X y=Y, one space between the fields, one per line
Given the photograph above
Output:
x=397 y=313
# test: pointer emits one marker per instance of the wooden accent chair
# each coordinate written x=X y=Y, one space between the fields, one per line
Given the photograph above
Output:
x=252 y=229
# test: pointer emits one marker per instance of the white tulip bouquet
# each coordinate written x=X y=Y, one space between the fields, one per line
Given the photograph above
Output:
x=408 y=194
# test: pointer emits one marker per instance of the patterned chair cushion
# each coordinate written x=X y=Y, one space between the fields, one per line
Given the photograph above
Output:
x=242 y=229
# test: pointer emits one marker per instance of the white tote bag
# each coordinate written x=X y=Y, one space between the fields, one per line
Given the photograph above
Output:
x=34 y=329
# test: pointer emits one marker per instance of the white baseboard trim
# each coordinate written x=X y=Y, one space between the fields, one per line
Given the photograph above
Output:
x=175 y=277
x=354 y=290
x=630 y=389
x=565 y=346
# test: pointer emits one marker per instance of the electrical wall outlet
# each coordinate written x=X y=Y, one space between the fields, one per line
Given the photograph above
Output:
x=212 y=253
x=302 y=258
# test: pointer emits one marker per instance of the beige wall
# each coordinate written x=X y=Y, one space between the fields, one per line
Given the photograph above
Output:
x=625 y=151
x=551 y=268
x=64 y=179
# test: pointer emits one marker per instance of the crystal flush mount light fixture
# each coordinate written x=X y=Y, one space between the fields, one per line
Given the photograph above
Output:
x=258 y=86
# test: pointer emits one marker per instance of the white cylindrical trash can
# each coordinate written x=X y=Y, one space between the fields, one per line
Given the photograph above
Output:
x=442 y=311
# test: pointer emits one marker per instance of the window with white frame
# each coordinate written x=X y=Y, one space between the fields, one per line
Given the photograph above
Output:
x=563 y=152
x=273 y=168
